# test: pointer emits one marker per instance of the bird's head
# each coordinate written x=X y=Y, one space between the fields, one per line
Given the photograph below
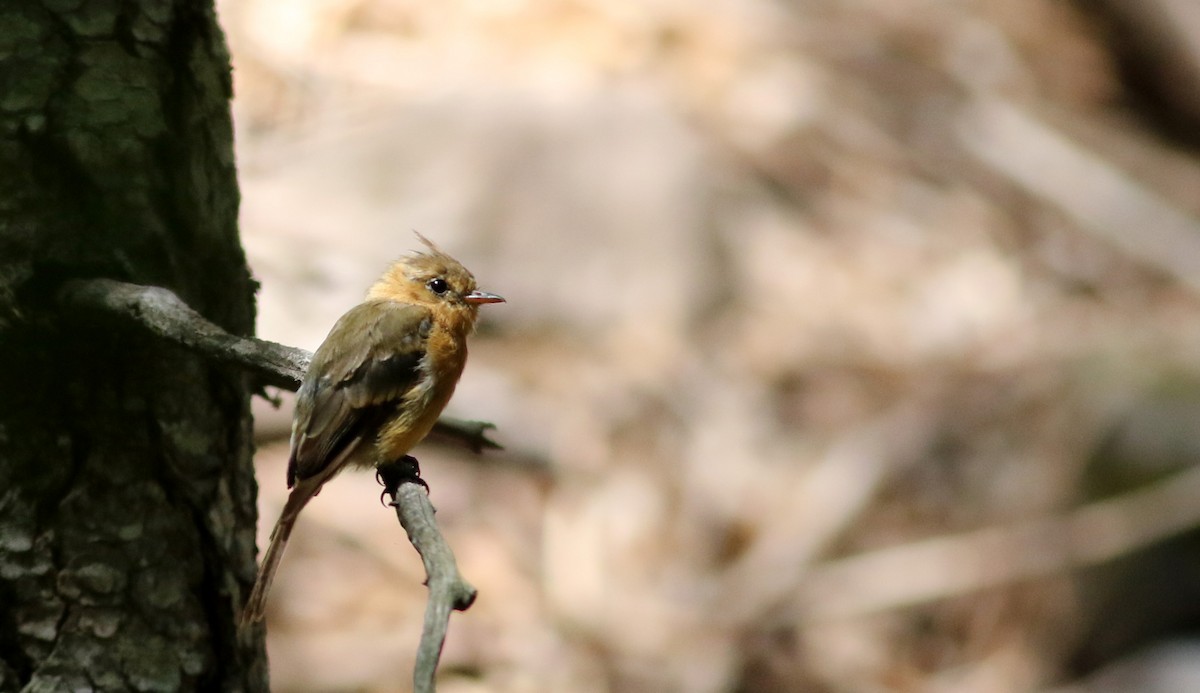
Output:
x=437 y=281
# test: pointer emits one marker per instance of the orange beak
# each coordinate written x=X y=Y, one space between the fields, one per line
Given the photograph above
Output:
x=477 y=297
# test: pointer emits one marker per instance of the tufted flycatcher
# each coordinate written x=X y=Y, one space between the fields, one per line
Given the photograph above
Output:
x=377 y=384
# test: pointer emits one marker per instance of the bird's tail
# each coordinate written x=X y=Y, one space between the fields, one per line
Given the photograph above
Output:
x=256 y=604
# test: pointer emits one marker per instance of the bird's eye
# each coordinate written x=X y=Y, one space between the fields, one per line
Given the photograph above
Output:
x=438 y=286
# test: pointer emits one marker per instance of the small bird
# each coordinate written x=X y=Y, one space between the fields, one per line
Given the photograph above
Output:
x=377 y=384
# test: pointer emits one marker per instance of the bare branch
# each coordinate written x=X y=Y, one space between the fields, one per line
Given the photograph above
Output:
x=166 y=315
x=1099 y=197
x=841 y=484
x=447 y=589
x=471 y=433
x=949 y=566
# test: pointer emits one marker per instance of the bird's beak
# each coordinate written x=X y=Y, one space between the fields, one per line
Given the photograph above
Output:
x=477 y=297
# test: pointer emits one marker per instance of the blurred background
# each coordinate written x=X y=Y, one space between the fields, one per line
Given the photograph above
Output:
x=851 y=345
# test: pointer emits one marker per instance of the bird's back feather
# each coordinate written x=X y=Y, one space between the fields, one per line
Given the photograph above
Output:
x=357 y=378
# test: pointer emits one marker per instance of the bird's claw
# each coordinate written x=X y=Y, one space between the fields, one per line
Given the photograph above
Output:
x=393 y=473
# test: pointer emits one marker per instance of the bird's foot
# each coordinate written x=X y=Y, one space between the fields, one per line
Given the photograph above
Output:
x=392 y=473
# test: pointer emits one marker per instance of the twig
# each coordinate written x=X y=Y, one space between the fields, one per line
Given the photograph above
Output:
x=447 y=588
x=924 y=571
x=472 y=433
x=834 y=493
x=1100 y=198
x=166 y=315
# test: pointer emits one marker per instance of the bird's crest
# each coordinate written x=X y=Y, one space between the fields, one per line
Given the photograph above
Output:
x=435 y=253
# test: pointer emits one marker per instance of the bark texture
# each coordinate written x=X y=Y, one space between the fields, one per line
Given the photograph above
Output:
x=126 y=486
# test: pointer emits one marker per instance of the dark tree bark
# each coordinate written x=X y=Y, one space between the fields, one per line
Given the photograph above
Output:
x=126 y=488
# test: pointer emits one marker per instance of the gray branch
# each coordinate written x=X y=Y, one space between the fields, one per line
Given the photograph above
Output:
x=163 y=313
x=447 y=589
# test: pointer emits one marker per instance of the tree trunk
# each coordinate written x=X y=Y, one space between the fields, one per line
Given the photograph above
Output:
x=126 y=487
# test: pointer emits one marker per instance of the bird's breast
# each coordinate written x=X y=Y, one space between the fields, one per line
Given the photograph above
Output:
x=420 y=407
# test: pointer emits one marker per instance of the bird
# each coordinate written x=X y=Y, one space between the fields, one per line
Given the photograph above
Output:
x=376 y=385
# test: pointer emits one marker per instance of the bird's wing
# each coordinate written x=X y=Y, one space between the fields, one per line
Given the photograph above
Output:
x=369 y=360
